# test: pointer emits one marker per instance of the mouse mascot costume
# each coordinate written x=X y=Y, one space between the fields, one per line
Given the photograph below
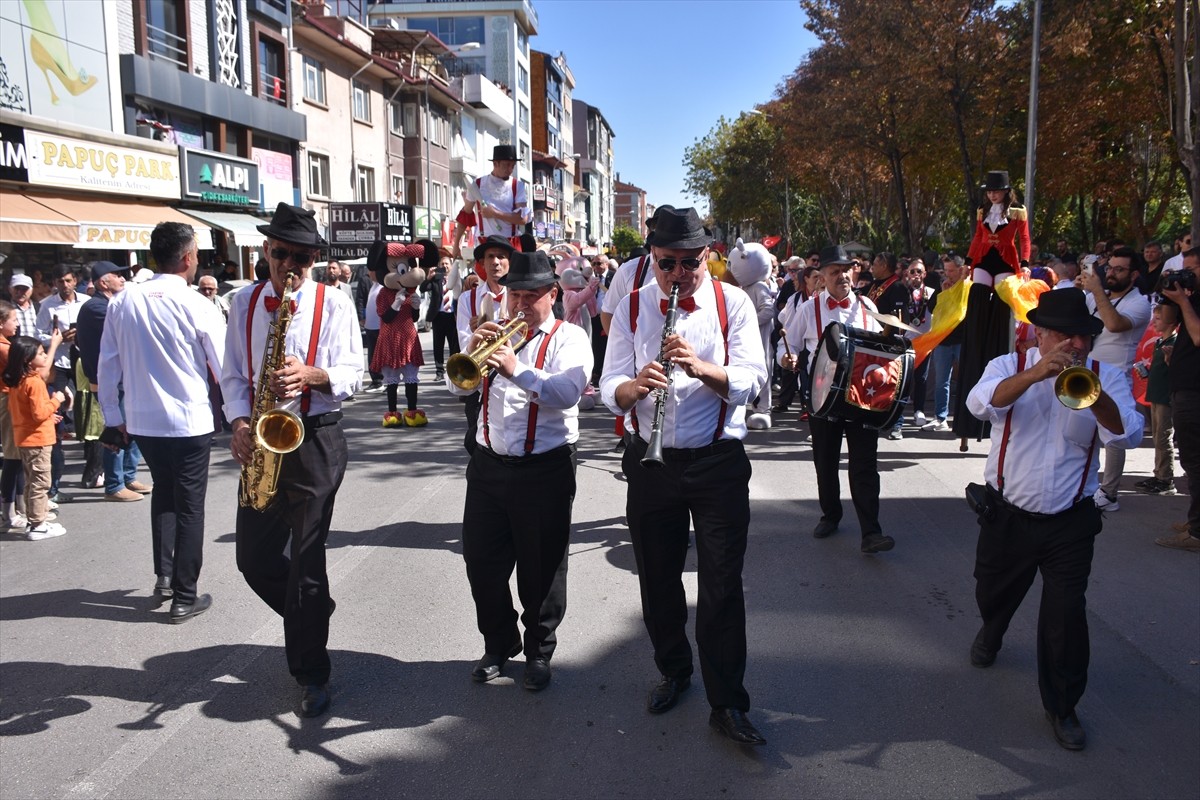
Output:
x=749 y=265
x=400 y=269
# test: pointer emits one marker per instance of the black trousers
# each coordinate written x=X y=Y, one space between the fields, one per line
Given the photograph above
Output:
x=1185 y=416
x=471 y=408
x=518 y=514
x=714 y=489
x=863 y=445
x=599 y=348
x=179 y=466
x=370 y=339
x=444 y=331
x=281 y=551
x=985 y=336
x=1013 y=547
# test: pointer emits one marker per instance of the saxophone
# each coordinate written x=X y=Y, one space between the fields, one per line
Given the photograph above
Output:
x=276 y=431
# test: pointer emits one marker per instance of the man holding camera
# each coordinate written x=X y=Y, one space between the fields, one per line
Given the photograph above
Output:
x=1037 y=511
x=1183 y=375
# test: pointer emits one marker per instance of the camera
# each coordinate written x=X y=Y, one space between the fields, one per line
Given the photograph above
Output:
x=1179 y=278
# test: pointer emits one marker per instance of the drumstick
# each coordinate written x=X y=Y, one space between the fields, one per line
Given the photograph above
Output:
x=787 y=350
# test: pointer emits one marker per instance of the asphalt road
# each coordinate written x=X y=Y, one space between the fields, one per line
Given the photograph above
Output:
x=858 y=669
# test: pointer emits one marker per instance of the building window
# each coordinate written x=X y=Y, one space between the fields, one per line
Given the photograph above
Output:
x=522 y=79
x=362 y=102
x=523 y=116
x=314 y=80
x=395 y=119
x=451 y=30
x=411 y=190
x=523 y=41
x=272 y=67
x=318 y=175
x=397 y=189
x=162 y=30
x=365 y=190
x=410 y=120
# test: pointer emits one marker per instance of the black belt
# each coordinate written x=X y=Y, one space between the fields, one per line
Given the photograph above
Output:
x=313 y=421
x=532 y=458
x=689 y=453
x=999 y=498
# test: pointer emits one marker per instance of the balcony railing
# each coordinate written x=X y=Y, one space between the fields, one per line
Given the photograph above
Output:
x=271 y=87
x=163 y=45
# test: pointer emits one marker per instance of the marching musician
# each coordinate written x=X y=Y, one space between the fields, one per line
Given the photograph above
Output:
x=526 y=434
x=483 y=302
x=838 y=304
x=281 y=550
x=717 y=367
x=1039 y=515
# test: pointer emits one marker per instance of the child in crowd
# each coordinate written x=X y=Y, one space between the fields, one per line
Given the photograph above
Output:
x=1165 y=320
x=34 y=414
x=12 y=474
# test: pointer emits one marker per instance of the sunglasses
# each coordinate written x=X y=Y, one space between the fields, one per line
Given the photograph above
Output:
x=669 y=264
x=300 y=258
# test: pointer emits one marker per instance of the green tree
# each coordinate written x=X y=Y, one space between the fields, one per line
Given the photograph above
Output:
x=624 y=239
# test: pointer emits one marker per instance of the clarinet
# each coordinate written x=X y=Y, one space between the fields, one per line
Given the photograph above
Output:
x=654 y=450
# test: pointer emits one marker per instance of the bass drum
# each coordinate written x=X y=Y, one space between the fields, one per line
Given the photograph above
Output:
x=861 y=376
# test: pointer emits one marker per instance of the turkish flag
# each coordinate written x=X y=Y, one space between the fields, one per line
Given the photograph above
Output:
x=1144 y=353
x=770 y=241
x=874 y=378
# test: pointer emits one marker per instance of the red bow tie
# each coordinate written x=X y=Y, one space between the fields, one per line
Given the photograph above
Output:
x=496 y=298
x=832 y=304
x=272 y=305
x=687 y=304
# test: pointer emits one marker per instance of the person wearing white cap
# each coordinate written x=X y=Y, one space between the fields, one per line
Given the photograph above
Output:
x=21 y=290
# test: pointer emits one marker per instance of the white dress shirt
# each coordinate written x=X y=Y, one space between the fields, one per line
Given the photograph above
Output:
x=371 y=313
x=67 y=313
x=339 y=349
x=622 y=282
x=498 y=194
x=1049 y=443
x=161 y=340
x=556 y=387
x=469 y=306
x=801 y=327
x=692 y=409
x=1119 y=348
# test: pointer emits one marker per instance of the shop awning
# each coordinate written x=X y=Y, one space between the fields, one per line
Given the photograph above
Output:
x=242 y=226
x=27 y=221
x=99 y=224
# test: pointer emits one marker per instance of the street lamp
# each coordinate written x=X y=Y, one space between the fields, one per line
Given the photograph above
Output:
x=787 y=195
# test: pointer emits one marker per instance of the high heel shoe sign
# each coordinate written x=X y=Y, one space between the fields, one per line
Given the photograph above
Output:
x=60 y=40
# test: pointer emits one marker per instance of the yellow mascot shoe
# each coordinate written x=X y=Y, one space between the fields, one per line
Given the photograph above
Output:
x=392 y=420
x=415 y=419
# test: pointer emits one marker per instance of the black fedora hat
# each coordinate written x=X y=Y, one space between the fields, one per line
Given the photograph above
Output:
x=1065 y=311
x=529 y=271
x=996 y=181
x=295 y=226
x=680 y=229
x=494 y=241
x=834 y=254
x=504 y=152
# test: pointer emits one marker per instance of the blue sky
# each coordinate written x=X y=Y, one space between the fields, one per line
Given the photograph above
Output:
x=663 y=71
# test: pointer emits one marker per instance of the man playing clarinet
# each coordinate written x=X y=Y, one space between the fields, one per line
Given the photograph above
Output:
x=714 y=367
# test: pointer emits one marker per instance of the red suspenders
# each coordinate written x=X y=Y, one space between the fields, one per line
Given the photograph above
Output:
x=313 y=337
x=531 y=425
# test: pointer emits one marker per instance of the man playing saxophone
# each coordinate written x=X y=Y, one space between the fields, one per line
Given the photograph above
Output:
x=716 y=355
x=521 y=477
x=281 y=548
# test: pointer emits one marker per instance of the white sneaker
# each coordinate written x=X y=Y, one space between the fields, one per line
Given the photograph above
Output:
x=47 y=530
x=53 y=506
x=919 y=419
x=18 y=522
x=1104 y=502
x=941 y=425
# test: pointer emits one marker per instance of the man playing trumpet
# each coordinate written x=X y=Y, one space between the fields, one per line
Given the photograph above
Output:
x=1039 y=513
x=717 y=358
x=521 y=477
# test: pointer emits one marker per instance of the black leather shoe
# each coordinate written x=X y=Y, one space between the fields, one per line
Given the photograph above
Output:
x=665 y=695
x=490 y=665
x=537 y=674
x=877 y=543
x=735 y=725
x=315 y=700
x=182 y=612
x=824 y=529
x=981 y=655
x=162 y=588
x=1068 y=731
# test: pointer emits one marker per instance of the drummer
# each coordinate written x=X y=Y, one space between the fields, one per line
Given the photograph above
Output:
x=838 y=304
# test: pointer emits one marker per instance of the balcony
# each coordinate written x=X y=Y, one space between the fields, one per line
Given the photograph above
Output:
x=272 y=88
x=488 y=100
x=164 y=45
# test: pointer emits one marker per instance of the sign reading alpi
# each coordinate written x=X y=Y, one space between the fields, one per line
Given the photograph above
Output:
x=217 y=178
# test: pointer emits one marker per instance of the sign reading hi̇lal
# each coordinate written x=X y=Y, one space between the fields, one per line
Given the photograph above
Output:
x=79 y=164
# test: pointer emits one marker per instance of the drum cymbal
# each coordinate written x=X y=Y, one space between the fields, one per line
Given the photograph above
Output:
x=893 y=320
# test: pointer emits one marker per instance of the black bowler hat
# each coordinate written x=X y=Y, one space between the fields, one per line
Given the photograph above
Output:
x=834 y=254
x=529 y=271
x=996 y=181
x=494 y=241
x=680 y=229
x=1065 y=311
x=294 y=225
x=504 y=152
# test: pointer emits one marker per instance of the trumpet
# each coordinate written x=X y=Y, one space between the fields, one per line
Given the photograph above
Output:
x=1077 y=387
x=467 y=370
